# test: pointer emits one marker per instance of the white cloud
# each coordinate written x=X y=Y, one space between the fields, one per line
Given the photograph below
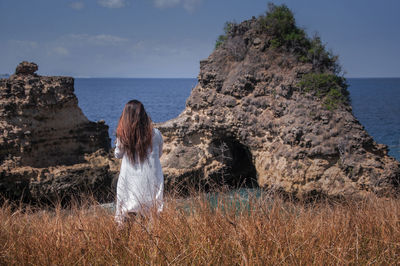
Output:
x=165 y=49
x=189 y=5
x=77 y=5
x=112 y=3
x=166 y=3
x=59 y=50
x=107 y=55
x=101 y=39
x=23 y=44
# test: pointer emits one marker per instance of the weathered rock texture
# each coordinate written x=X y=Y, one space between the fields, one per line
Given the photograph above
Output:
x=49 y=150
x=248 y=119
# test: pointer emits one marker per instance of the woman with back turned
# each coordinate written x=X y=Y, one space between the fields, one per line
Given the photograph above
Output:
x=141 y=182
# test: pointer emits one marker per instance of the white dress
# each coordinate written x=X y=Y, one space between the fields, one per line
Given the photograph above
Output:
x=140 y=186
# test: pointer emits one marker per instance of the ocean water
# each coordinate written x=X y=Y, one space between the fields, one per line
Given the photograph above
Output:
x=375 y=102
x=105 y=98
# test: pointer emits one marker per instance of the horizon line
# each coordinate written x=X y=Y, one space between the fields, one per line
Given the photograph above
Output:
x=115 y=77
x=86 y=77
x=353 y=77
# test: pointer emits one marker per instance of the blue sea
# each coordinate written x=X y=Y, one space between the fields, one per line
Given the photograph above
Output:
x=375 y=102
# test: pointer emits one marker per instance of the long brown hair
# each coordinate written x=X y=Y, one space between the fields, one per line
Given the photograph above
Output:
x=135 y=131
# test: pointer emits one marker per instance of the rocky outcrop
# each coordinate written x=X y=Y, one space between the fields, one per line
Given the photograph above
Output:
x=48 y=148
x=250 y=119
x=26 y=68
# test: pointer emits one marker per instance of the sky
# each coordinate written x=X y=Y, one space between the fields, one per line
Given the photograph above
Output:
x=168 y=38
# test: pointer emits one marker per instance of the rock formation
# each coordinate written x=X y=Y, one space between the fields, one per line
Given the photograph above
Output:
x=253 y=117
x=49 y=150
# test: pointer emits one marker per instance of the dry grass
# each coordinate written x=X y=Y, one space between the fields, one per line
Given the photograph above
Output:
x=268 y=232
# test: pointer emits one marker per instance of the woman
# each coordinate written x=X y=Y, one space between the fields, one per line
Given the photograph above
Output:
x=141 y=182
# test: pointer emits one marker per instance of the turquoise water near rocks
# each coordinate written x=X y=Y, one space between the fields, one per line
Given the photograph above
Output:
x=375 y=102
x=237 y=200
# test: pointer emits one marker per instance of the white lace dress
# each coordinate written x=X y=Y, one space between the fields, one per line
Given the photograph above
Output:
x=140 y=186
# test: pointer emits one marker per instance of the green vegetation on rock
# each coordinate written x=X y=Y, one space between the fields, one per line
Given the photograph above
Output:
x=280 y=24
x=280 y=33
x=329 y=87
x=223 y=37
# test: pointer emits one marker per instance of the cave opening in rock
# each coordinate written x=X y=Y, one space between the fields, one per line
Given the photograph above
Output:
x=237 y=169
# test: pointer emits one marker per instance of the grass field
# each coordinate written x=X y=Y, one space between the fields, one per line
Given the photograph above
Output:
x=266 y=230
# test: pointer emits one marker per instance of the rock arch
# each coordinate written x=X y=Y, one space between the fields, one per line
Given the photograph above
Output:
x=299 y=142
x=237 y=169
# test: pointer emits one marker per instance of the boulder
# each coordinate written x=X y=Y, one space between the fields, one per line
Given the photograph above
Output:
x=26 y=68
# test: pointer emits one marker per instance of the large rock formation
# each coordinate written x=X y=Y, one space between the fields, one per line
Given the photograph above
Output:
x=49 y=150
x=252 y=116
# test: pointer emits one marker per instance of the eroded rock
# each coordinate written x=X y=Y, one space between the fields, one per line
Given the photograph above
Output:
x=48 y=148
x=248 y=112
x=26 y=68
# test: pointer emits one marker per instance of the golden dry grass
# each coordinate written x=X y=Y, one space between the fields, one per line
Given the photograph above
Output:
x=268 y=232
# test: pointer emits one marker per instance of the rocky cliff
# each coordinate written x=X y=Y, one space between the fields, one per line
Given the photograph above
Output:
x=264 y=112
x=49 y=150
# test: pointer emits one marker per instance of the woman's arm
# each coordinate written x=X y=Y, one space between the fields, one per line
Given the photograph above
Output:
x=119 y=150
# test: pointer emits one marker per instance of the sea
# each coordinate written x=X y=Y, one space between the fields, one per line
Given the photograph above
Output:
x=375 y=102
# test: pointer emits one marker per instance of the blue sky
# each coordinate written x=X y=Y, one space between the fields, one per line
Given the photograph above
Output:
x=168 y=38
